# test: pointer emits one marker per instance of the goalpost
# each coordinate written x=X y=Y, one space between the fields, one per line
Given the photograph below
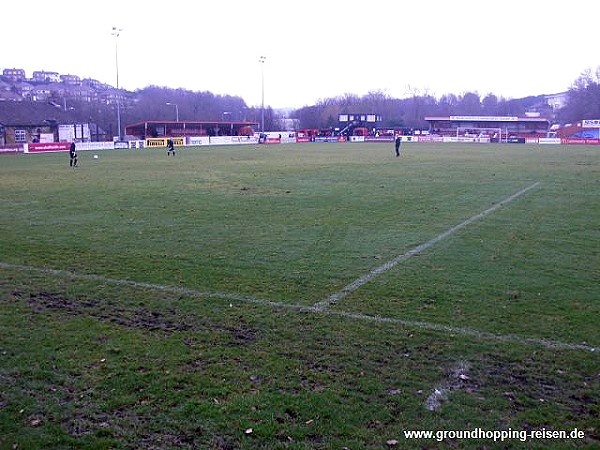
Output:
x=482 y=134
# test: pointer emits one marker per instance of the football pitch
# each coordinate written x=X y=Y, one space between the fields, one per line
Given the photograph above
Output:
x=306 y=296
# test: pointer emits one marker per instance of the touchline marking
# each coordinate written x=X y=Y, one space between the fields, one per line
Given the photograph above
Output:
x=334 y=298
x=429 y=326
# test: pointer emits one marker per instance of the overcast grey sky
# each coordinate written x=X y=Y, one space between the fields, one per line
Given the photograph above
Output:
x=314 y=49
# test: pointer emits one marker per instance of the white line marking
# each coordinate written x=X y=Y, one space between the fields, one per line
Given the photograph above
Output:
x=140 y=285
x=446 y=329
x=460 y=331
x=334 y=298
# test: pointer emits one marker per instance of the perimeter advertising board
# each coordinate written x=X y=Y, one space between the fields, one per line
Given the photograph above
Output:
x=49 y=147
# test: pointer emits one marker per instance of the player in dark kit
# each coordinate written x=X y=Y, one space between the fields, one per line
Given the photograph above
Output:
x=72 y=155
x=397 y=144
x=170 y=147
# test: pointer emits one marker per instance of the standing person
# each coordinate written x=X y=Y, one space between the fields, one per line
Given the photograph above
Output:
x=170 y=147
x=72 y=155
x=397 y=144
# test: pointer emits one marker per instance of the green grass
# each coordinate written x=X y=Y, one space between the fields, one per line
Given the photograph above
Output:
x=265 y=232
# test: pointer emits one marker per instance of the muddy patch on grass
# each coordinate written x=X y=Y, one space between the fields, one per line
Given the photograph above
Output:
x=150 y=320
x=166 y=321
x=523 y=386
x=134 y=319
x=242 y=335
x=45 y=301
x=219 y=443
x=145 y=431
x=568 y=395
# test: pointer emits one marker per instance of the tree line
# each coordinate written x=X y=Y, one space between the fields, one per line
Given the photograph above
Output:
x=583 y=102
x=158 y=103
x=410 y=112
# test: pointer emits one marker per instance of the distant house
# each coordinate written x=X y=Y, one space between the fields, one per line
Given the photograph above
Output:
x=27 y=122
x=80 y=93
x=41 y=92
x=112 y=96
x=24 y=89
x=95 y=84
x=557 y=101
x=14 y=74
x=71 y=80
x=46 y=77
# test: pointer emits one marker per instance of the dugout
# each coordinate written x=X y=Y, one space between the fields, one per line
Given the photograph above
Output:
x=165 y=129
x=307 y=135
x=360 y=131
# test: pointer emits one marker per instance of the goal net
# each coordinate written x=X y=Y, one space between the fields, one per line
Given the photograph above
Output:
x=477 y=134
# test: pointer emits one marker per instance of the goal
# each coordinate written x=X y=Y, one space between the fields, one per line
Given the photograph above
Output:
x=478 y=134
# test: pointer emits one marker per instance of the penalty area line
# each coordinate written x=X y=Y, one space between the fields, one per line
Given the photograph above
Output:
x=335 y=297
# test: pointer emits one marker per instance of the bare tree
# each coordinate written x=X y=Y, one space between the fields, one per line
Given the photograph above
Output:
x=583 y=100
